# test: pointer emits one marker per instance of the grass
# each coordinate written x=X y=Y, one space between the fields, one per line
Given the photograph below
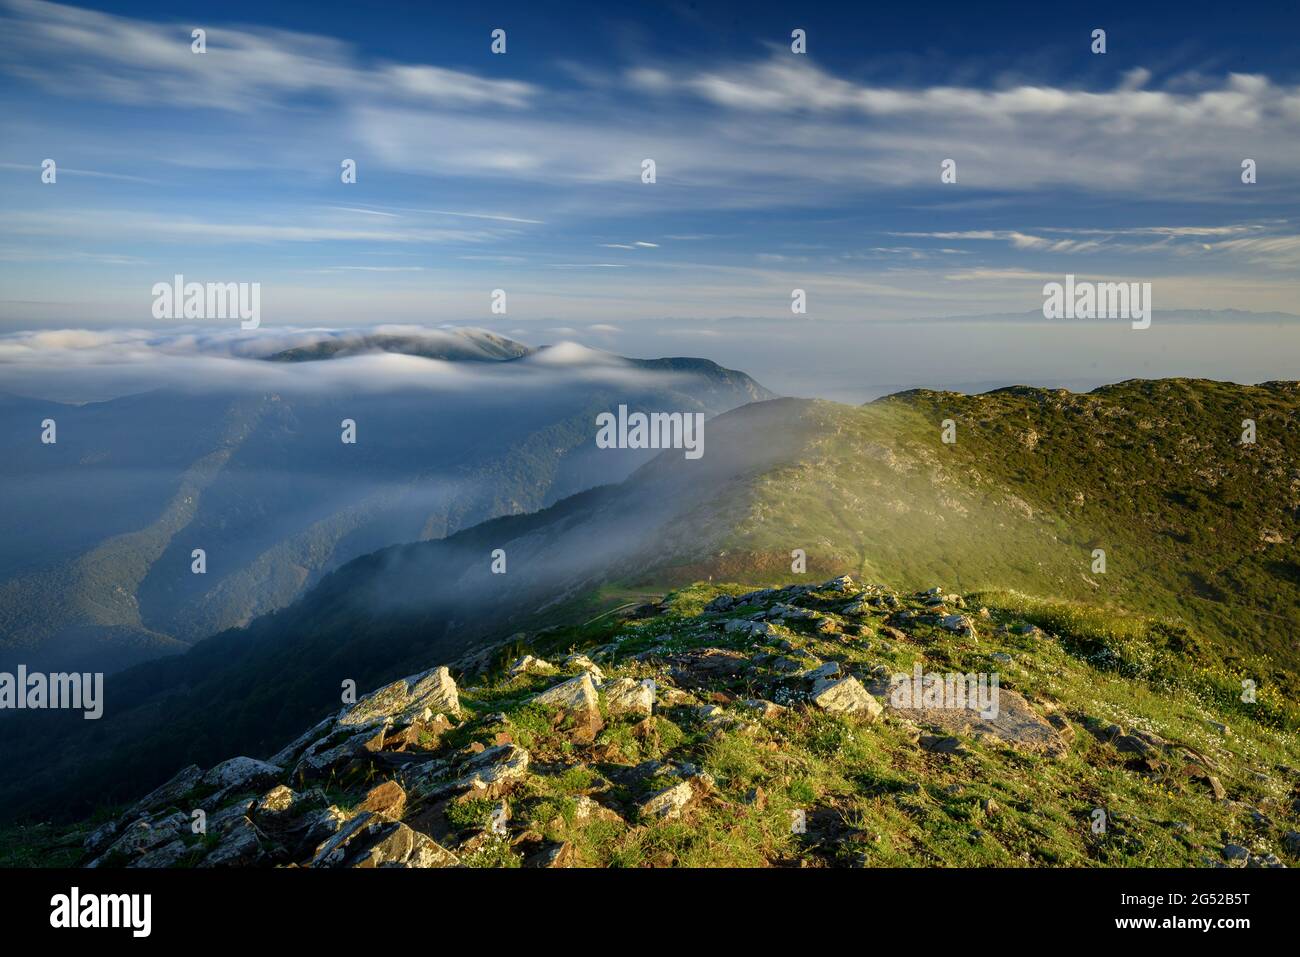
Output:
x=808 y=788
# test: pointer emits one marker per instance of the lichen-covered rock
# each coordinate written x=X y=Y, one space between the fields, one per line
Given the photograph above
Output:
x=576 y=694
x=490 y=773
x=394 y=844
x=582 y=662
x=629 y=696
x=170 y=854
x=369 y=841
x=241 y=845
x=406 y=700
x=241 y=774
x=528 y=665
x=141 y=836
x=276 y=801
x=386 y=800
x=845 y=696
x=669 y=803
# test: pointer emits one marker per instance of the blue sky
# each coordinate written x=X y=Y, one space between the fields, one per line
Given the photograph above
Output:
x=775 y=170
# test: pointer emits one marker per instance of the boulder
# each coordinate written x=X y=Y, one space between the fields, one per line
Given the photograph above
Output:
x=241 y=774
x=845 y=696
x=959 y=624
x=553 y=855
x=387 y=800
x=667 y=804
x=583 y=663
x=576 y=694
x=528 y=665
x=406 y=700
x=330 y=754
x=240 y=846
x=143 y=835
x=167 y=855
x=491 y=773
x=394 y=844
x=629 y=696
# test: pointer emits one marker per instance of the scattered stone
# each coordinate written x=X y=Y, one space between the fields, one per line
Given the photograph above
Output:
x=765 y=708
x=528 y=665
x=240 y=846
x=828 y=671
x=576 y=694
x=241 y=774
x=629 y=696
x=942 y=744
x=553 y=856
x=387 y=800
x=1235 y=852
x=585 y=664
x=845 y=696
x=406 y=700
x=754 y=629
x=958 y=624
x=587 y=809
x=842 y=584
x=669 y=803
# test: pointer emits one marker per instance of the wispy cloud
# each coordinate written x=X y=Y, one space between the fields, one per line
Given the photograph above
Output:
x=133 y=61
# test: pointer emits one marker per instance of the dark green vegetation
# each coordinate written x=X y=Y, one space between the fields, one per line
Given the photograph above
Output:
x=1198 y=532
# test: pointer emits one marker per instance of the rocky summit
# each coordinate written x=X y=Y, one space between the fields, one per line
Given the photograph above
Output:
x=830 y=724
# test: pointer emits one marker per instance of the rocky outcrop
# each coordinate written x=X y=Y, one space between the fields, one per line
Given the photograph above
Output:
x=579 y=763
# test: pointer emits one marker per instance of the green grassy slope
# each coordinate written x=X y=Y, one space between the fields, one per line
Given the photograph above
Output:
x=1218 y=787
x=1195 y=526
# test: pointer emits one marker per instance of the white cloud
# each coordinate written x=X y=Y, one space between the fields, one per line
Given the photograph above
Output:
x=133 y=61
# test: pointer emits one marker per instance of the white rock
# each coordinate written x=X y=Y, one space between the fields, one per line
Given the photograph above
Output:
x=240 y=773
x=845 y=696
x=576 y=694
x=629 y=696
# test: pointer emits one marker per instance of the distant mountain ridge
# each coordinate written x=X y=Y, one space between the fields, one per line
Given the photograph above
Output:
x=459 y=345
x=95 y=570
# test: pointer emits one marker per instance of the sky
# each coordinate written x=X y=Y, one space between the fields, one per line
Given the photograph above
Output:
x=775 y=171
